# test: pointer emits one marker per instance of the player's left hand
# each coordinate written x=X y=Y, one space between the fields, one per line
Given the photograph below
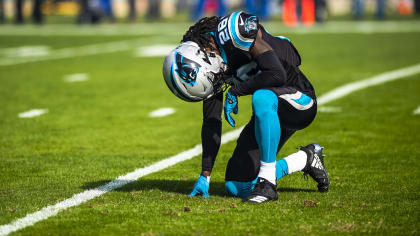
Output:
x=201 y=187
x=231 y=105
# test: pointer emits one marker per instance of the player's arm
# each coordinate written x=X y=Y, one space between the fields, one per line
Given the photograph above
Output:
x=211 y=131
x=272 y=73
x=249 y=38
x=210 y=137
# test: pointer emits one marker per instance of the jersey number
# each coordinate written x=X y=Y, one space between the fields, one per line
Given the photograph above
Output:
x=223 y=31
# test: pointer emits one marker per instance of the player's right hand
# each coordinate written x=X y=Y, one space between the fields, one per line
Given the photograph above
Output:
x=201 y=187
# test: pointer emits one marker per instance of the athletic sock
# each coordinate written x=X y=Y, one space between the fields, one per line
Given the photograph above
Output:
x=296 y=161
x=268 y=171
x=281 y=169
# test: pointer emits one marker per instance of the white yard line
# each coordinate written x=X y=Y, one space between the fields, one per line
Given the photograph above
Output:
x=379 y=79
x=165 y=111
x=78 y=77
x=417 y=111
x=32 y=113
x=87 y=50
x=329 y=109
x=97 y=30
x=87 y=195
x=155 y=50
x=169 y=33
x=25 y=51
x=355 y=27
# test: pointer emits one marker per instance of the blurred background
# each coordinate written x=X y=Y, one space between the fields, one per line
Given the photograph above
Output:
x=290 y=12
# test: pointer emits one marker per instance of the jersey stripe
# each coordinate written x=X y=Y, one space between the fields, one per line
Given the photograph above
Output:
x=238 y=41
x=284 y=38
x=239 y=32
x=220 y=47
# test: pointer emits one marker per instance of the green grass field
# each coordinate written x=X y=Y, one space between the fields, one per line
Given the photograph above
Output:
x=99 y=129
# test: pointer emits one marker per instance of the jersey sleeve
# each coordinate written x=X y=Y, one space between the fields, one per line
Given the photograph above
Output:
x=243 y=29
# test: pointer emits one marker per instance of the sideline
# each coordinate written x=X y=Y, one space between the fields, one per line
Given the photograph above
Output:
x=176 y=29
x=87 y=195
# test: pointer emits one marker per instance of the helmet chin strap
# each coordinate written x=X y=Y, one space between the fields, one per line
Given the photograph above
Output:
x=217 y=78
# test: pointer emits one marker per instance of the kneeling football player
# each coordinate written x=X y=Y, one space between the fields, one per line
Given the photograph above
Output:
x=236 y=50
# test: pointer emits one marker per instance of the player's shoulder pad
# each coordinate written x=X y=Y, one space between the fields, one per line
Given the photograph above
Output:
x=243 y=29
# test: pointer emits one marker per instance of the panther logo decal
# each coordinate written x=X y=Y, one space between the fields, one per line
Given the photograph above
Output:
x=187 y=69
x=250 y=23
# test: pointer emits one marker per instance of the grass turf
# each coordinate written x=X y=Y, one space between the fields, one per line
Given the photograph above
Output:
x=100 y=129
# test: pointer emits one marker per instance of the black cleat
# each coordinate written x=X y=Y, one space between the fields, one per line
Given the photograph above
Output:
x=315 y=166
x=263 y=191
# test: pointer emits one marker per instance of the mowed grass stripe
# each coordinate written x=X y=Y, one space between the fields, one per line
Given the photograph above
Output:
x=168 y=29
x=77 y=199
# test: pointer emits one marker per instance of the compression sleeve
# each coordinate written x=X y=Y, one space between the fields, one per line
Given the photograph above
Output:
x=272 y=74
x=211 y=130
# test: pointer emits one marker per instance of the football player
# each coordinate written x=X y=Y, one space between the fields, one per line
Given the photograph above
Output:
x=238 y=51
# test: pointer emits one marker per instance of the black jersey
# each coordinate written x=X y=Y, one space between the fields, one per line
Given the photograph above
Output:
x=235 y=35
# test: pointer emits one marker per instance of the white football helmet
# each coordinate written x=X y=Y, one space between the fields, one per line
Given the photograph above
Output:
x=189 y=75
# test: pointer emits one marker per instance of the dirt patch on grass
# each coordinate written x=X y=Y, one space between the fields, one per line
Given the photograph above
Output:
x=310 y=203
